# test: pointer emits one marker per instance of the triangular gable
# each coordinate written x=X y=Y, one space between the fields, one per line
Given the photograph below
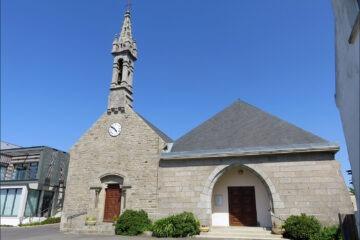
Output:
x=242 y=125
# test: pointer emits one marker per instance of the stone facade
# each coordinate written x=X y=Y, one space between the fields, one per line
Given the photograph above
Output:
x=134 y=155
x=308 y=183
x=164 y=177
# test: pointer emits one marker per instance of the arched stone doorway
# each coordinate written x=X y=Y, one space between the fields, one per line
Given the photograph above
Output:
x=268 y=191
x=240 y=198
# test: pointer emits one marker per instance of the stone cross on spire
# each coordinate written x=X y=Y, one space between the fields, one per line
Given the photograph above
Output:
x=125 y=54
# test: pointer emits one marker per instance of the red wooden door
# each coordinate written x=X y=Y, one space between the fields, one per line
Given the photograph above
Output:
x=242 y=206
x=112 y=202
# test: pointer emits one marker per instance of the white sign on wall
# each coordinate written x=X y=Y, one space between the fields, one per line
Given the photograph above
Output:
x=218 y=200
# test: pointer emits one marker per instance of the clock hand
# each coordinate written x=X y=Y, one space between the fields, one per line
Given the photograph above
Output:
x=113 y=128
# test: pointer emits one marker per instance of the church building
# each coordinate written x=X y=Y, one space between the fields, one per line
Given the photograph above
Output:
x=242 y=167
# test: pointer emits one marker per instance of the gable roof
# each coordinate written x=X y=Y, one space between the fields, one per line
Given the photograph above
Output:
x=161 y=134
x=243 y=126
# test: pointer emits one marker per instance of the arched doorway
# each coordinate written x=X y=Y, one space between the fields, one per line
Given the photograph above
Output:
x=113 y=195
x=240 y=197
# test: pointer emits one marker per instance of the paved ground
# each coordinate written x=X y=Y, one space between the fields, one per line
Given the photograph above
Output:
x=51 y=232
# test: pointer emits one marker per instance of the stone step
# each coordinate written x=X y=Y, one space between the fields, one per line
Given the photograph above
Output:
x=240 y=229
x=245 y=234
x=253 y=233
x=236 y=237
x=102 y=228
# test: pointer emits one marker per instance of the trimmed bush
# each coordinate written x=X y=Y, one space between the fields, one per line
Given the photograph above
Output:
x=328 y=233
x=180 y=225
x=301 y=227
x=132 y=223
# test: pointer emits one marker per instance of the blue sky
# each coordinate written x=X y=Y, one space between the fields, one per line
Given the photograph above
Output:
x=195 y=58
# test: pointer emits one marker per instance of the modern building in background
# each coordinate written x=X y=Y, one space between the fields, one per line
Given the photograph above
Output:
x=33 y=182
x=347 y=34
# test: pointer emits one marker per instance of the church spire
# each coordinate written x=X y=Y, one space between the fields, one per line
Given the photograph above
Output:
x=126 y=41
x=125 y=54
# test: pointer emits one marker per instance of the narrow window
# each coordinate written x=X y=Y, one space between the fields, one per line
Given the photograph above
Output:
x=120 y=66
x=32 y=203
x=3 y=193
x=33 y=170
x=3 y=172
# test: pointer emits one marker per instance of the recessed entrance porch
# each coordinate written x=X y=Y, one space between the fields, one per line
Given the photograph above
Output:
x=240 y=198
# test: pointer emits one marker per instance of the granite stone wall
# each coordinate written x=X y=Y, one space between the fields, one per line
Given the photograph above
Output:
x=308 y=183
x=134 y=155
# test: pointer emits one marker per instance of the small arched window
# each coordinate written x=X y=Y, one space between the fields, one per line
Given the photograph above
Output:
x=112 y=179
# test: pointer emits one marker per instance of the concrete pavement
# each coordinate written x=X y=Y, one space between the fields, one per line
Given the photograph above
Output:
x=52 y=232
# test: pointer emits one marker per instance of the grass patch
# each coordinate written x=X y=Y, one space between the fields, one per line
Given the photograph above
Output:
x=51 y=220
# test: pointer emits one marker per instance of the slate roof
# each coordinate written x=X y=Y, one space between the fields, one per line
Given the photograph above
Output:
x=6 y=145
x=242 y=126
x=161 y=134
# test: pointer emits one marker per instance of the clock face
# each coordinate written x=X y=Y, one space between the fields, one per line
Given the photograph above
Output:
x=114 y=129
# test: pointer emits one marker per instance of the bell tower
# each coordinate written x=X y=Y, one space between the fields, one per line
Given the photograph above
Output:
x=124 y=52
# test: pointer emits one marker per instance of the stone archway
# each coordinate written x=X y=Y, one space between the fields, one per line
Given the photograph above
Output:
x=207 y=192
x=240 y=198
x=112 y=178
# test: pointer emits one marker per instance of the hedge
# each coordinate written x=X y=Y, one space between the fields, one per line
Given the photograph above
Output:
x=180 y=225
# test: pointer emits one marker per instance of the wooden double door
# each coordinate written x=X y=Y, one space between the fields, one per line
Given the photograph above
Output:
x=112 y=202
x=242 y=206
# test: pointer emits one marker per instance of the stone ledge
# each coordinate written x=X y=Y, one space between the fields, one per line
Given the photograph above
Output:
x=252 y=151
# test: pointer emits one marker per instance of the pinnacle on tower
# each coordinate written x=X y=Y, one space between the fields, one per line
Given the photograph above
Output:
x=125 y=54
x=125 y=41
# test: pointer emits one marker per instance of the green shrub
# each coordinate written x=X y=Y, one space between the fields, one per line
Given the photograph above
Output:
x=132 y=223
x=301 y=227
x=180 y=225
x=328 y=233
